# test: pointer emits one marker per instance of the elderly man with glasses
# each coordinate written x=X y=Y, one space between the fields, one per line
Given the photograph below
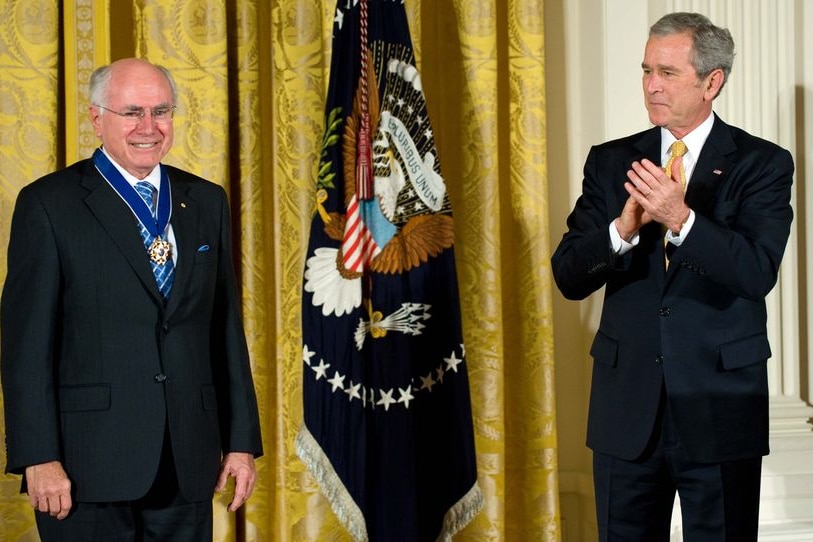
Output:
x=128 y=393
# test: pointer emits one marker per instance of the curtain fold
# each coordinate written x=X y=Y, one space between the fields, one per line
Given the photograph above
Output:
x=252 y=77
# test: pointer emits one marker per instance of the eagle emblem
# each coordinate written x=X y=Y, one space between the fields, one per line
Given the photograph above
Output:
x=407 y=219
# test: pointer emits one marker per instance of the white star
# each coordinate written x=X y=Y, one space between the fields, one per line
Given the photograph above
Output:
x=406 y=396
x=452 y=362
x=427 y=382
x=337 y=381
x=321 y=369
x=353 y=391
x=369 y=399
x=418 y=206
x=307 y=355
x=339 y=18
x=428 y=134
x=386 y=399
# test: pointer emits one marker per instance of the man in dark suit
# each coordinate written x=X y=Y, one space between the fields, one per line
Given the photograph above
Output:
x=679 y=399
x=126 y=379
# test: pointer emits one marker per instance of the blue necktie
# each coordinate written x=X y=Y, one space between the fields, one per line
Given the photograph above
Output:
x=164 y=273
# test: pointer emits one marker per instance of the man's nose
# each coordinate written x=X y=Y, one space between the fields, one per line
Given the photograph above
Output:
x=146 y=122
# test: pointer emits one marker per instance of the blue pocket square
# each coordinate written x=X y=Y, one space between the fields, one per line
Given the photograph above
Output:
x=203 y=248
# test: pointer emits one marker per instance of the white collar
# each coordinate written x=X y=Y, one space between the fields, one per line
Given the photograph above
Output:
x=694 y=140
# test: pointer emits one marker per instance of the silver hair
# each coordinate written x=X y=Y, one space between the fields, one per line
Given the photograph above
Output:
x=99 y=88
x=712 y=46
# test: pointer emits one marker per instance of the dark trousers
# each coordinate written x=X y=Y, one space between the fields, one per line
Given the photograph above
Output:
x=162 y=515
x=719 y=502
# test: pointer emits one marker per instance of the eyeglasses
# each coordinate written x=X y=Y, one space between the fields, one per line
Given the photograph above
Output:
x=134 y=115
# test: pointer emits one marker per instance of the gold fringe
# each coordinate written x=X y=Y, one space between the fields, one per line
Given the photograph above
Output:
x=459 y=515
x=332 y=487
x=348 y=512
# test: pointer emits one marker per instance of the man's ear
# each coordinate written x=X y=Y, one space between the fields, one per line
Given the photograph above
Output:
x=713 y=84
x=94 y=114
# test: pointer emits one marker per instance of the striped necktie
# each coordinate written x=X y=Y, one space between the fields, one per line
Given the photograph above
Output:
x=164 y=272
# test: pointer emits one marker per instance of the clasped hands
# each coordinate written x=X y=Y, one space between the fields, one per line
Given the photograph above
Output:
x=654 y=196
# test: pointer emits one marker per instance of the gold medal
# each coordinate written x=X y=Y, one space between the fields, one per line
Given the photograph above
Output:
x=160 y=251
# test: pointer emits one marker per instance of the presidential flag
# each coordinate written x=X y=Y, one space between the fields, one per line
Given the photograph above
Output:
x=387 y=414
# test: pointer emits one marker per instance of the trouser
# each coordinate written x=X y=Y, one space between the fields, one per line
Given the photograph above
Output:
x=719 y=502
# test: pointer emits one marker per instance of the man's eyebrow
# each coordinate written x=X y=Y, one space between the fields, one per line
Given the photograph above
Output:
x=133 y=107
x=661 y=67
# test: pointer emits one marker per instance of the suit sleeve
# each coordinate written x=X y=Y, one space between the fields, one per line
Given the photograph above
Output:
x=240 y=425
x=741 y=243
x=583 y=261
x=28 y=318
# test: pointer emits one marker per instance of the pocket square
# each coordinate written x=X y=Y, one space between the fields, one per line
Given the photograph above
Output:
x=203 y=248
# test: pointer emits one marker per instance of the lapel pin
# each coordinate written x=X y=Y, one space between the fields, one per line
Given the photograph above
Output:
x=183 y=205
x=716 y=172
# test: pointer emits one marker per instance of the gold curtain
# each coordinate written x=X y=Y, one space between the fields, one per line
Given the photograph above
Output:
x=252 y=76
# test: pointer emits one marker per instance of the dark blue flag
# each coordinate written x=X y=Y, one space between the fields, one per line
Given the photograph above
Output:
x=388 y=430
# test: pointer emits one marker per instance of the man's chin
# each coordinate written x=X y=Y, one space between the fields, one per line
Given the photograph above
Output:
x=658 y=120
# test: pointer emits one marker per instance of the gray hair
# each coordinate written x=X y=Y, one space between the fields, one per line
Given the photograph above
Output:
x=713 y=47
x=99 y=89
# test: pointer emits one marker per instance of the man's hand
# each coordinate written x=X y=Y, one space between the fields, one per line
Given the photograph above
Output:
x=632 y=218
x=49 y=489
x=660 y=195
x=240 y=465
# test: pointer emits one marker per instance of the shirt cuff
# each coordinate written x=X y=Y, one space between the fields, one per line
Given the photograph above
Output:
x=678 y=239
x=618 y=245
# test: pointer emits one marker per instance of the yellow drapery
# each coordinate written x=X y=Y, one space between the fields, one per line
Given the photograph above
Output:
x=252 y=77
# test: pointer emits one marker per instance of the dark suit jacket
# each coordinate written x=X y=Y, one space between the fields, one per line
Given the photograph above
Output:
x=94 y=366
x=697 y=330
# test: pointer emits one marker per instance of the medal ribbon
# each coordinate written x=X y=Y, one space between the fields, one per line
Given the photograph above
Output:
x=157 y=224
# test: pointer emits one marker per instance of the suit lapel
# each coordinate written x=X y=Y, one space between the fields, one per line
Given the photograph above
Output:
x=118 y=221
x=184 y=223
x=713 y=165
x=649 y=146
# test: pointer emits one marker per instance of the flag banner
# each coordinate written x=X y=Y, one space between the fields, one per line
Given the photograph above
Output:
x=387 y=428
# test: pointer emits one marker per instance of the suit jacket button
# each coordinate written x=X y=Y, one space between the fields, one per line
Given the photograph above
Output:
x=160 y=378
x=665 y=311
x=658 y=359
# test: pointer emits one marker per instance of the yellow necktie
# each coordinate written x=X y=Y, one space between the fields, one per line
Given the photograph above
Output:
x=677 y=150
